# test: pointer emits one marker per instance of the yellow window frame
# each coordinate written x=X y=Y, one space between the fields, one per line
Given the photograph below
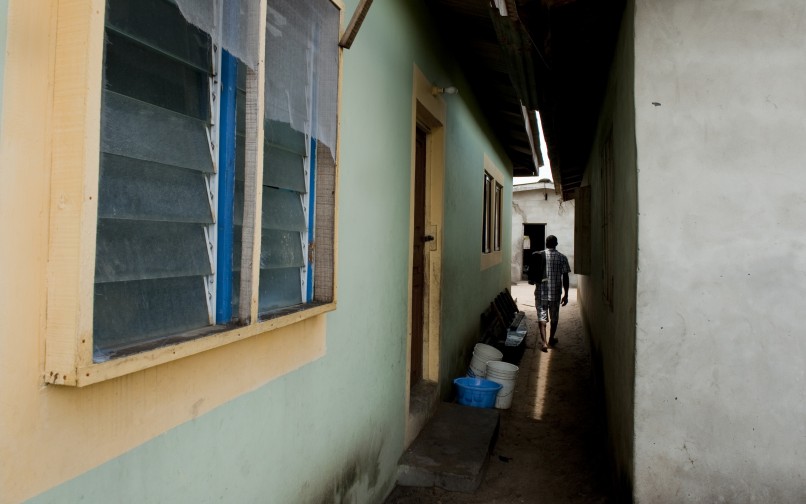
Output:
x=79 y=34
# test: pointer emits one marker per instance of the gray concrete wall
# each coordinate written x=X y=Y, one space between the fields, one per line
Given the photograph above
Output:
x=610 y=326
x=720 y=397
x=530 y=206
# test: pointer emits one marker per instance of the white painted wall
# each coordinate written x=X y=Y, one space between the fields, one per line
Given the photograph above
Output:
x=530 y=206
x=720 y=392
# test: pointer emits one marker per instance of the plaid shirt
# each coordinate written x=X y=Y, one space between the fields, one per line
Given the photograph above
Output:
x=556 y=264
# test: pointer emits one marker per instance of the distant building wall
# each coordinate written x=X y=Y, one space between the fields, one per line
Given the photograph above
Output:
x=530 y=205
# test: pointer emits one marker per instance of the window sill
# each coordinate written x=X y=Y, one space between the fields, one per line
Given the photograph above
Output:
x=102 y=371
x=490 y=259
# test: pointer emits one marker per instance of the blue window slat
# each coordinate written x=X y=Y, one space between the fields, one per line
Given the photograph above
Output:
x=140 y=130
x=311 y=218
x=138 y=312
x=226 y=188
x=143 y=190
x=160 y=25
x=138 y=250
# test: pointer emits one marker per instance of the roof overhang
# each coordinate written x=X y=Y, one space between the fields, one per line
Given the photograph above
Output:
x=552 y=56
x=474 y=30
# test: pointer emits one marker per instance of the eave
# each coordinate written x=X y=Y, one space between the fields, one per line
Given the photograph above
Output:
x=552 y=56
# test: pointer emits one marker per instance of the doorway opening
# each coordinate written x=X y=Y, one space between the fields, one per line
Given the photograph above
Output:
x=534 y=240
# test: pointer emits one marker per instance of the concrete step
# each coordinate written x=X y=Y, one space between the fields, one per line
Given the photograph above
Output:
x=452 y=451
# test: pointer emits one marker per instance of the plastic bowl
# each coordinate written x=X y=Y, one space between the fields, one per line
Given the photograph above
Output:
x=476 y=392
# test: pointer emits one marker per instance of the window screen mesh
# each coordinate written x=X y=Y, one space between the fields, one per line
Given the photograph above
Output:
x=238 y=30
x=301 y=100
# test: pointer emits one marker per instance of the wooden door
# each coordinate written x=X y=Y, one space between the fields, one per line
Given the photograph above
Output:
x=418 y=268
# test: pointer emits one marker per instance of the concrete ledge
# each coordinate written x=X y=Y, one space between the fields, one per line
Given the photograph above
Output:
x=423 y=402
x=452 y=451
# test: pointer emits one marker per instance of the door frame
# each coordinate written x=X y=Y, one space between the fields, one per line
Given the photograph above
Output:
x=428 y=113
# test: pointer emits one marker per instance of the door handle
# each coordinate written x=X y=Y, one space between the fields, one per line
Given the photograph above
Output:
x=428 y=238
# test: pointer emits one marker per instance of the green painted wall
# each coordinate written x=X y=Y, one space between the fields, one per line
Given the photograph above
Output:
x=612 y=327
x=468 y=291
x=333 y=431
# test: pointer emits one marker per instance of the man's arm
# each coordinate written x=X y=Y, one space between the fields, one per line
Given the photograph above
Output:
x=566 y=283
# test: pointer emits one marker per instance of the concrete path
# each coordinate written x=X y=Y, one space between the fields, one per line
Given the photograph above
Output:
x=452 y=451
x=549 y=445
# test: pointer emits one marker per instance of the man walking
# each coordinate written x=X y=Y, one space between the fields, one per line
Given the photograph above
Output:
x=550 y=278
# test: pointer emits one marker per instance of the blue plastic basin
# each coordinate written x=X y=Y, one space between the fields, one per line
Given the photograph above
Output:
x=476 y=392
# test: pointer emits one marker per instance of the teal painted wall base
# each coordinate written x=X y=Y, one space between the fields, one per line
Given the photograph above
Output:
x=256 y=448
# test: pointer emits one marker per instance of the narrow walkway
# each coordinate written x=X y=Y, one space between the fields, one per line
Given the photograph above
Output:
x=549 y=447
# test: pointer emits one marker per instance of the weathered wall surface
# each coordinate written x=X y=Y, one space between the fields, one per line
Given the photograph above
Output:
x=530 y=206
x=611 y=325
x=468 y=288
x=285 y=416
x=720 y=381
x=3 y=21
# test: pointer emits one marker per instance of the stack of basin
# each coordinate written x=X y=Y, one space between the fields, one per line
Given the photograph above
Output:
x=482 y=355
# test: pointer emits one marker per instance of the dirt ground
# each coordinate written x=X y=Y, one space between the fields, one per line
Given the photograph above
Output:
x=549 y=444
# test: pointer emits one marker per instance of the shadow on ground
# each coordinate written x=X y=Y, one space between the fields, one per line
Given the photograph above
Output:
x=549 y=448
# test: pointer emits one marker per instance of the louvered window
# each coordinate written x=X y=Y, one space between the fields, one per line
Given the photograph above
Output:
x=300 y=94
x=173 y=184
x=492 y=211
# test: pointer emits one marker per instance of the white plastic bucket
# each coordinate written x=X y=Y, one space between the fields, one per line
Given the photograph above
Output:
x=482 y=355
x=478 y=366
x=505 y=374
x=502 y=369
x=488 y=352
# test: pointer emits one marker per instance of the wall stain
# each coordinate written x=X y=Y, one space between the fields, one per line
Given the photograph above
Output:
x=520 y=211
x=364 y=466
x=196 y=408
x=685 y=449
